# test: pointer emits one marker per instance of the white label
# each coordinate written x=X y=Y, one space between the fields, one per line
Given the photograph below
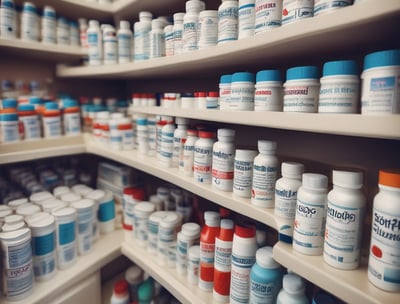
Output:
x=31 y=125
x=338 y=98
x=110 y=50
x=167 y=147
x=202 y=164
x=301 y=99
x=142 y=44
x=94 y=48
x=140 y=228
x=296 y=9
x=177 y=156
x=224 y=96
x=285 y=203
x=223 y=253
x=268 y=14
x=208 y=31
x=188 y=157
x=178 y=43
x=124 y=47
x=29 y=26
x=72 y=124
x=264 y=178
x=246 y=19
x=268 y=98
x=222 y=168
x=263 y=293
x=243 y=176
x=189 y=36
x=157 y=45
x=128 y=141
x=240 y=278
x=7 y=22
x=228 y=24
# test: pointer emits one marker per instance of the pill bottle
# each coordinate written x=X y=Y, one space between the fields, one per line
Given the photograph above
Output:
x=51 y=120
x=293 y=290
x=69 y=197
x=268 y=94
x=193 y=265
x=339 y=92
x=222 y=263
x=29 y=122
x=62 y=31
x=169 y=40
x=195 y=6
x=186 y=238
x=120 y=293
x=212 y=100
x=180 y=135
x=74 y=38
x=265 y=277
x=85 y=209
x=308 y=234
x=141 y=36
x=48 y=25
x=141 y=214
x=244 y=247
x=167 y=142
x=268 y=15
x=228 y=15
x=246 y=18
x=243 y=172
x=383 y=269
x=134 y=277
x=223 y=155
x=9 y=131
x=110 y=45
x=167 y=233
x=124 y=41
x=380 y=93
x=202 y=159
x=301 y=89
x=157 y=41
x=264 y=175
x=345 y=220
x=325 y=6
x=125 y=128
x=177 y=32
x=189 y=33
x=95 y=43
x=8 y=19
x=224 y=91
x=29 y=22
x=294 y=10
x=208 y=29
x=71 y=117
x=286 y=190
x=153 y=224
x=242 y=91
x=188 y=152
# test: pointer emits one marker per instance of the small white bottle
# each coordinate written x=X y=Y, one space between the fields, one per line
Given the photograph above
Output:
x=167 y=142
x=8 y=19
x=169 y=40
x=309 y=228
x=202 y=160
x=95 y=43
x=188 y=152
x=186 y=238
x=110 y=45
x=246 y=18
x=208 y=29
x=242 y=91
x=29 y=22
x=264 y=175
x=157 y=41
x=228 y=21
x=189 y=34
x=62 y=31
x=74 y=37
x=345 y=220
x=293 y=291
x=48 y=28
x=223 y=160
x=180 y=135
x=141 y=36
x=124 y=37
x=177 y=32
x=243 y=172
x=224 y=91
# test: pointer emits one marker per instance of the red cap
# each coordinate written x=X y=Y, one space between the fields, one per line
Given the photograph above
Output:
x=213 y=94
x=390 y=178
x=206 y=134
x=245 y=230
x=121 y=287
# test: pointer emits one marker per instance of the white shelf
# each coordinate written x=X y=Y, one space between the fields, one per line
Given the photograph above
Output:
x=360 y=26
x=106 y=249
x=383 y=126
x=351 y=286
x=176 y=283
x=41 y=148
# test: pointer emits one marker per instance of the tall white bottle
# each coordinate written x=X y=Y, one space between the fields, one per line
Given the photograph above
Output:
x=223 y=160
x=124 y=37
x=95 y=43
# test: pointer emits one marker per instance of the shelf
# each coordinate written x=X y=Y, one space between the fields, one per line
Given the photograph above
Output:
x=378 y=126
x=41 y=148
x=360 y=26
x=352 y=286
x=106 y=249
x=176 y=283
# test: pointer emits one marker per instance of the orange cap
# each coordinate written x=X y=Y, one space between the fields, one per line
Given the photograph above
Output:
x=390 y=177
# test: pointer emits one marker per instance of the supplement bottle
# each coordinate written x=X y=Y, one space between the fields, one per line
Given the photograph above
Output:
x=124 y=38
x=268 y=94
x=85 y=209
x=125 y=128
x=13 y=222
x=83 y=26
x=71 y=117
x=134 y=277
x=268 y=15
x=177 y=32
x=74 y=38
x=244 y=247
x=141 y=36
x=224 y=91
x=189 y=33
x=157 y=41
x=208 y=29
x=95 y=43
x=309 y=223
x=242 y=91
x=62 y=31
x=243 y=172
x=110 y=45
x=188 y=153
x=193 y=265
x=293 y=291
x=222 y=263
x=29 y=22
x=384 y=257
x=8 y=19
x=209 y=232
x=212 y=100
x=167 y=142
x=325 y=6
x=167 y=234
x=339 y=92
x=223 y=160
x=141 y=214
x=180 y=135
x=48 y=28
x=264 y=175
x=9 y=131
x=202 y=159
x=293 y=10
x=120 y=293
x=345 y=220
x=265 y=278
x=246 y=18
x=301 y=90
x=169 y=40
x=186 y=238
x=51 y=120
x=228 y=14
x=286 y=197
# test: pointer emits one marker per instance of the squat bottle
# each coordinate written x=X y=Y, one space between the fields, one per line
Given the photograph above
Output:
x=293 y=291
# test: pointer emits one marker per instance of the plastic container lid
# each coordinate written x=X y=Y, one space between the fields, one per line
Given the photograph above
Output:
x=144 y=208
x=134 y=275
x=225 y=79
x=382 y=58
x=206 y=134
x=59 y=190
x=26 y=107
x=390 y=178
x=17 y=202
x=191 y=229
x=302 y=72
x=28 y=209
x=4 y=211
x=244 y=153
x=225 y=133
x=243 y=76
x=9 y=117
x=145 y=15
x=16 y=235
x=181 y=121
x=124 y=24
x=194 y=5
x=268 y=75
x=347 y=179
x=96 y=195
x=83 y=204
x=171 y=219
x=52 y=204
x=266 y=145
x=293 y=284
x=211 y=218
x=94 y=23
x=121 y=288
x=264 y=258
x=70 y=103
x=340 y=67
x=194 y=252
x=292 y=169
x=13 y=219
x=9 y=103
x=178 y=17
x=245 y=230
x=65 y=212
x=29 y=7
x=208 y=13
x=7 y=3
x=315 y=181
x=51 y=105
x=213 y=94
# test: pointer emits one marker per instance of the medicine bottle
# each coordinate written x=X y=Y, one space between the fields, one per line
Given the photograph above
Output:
x=62 y=31
x=186 y=238
x=264 y=175
x=124 y=40
x=74 y=39
x=223 y=160
x=180 y=135
x=268 y=15
x=167 y=234
x=345 y=220
x=293 y=10
x=308 y=234
x=268 y=94
x=157 y=41
x=224 y=91
x=141 y=214
x=51 y=120
x=95 y=43
x=246 y=18
x=265 y=277
x=29 y=22
x=167 y=142
x=110 y=45
x=243 y=172
x=9 y=131
x=120 y=293
x=228 y=21
x=193 y=265
x=242 y=91
x=208 y=29
x=177 y=32
x=293 y=291
x=169 y=40
x=8 y=19
x=141 y=36
x=188 y=152
x=125 y=128
x=48 y=25
x=134 y=277
x=202 y=159
x=71 y=117
x=325 y=6
x=212 y=100
x=190 y=30
x=383 y=266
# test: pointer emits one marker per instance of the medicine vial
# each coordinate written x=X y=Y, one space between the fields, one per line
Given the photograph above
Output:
x=51 y=120
x=264 y=175
x=167 y=234
x=301 y=89
x=186 y=238
x=228 y=23
x=224 y=91
x=83 y=27
x=141 y=36
x=243 y=172
x=345 y=220
x=29 y=22
x=49 y=25
x=202 y=159
x=208 y=29
x=190 y=29
x=188 y=152
x=157 y=41
x=324 y=6
x=62 y=31
x=293 y=10
x=293 y=290
x=383 y=264
x=85 y=209
x=178 y=32
x=242 y=91
x=268 y=94
x=167 y=142
x=246 y=18
x=309 y=222
x=380 y=92
x=8 y=19
x=74 y=38
x=180 y=135
x=339 y=92
x=95 y=43
x=71 y=117
x=169 y=40
x=141 y=214
x=124 y=40
x=268 y=15
x=223 y=160
x=212 y=100
x=110 y=45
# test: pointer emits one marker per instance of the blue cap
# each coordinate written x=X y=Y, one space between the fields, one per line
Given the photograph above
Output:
x=225 y=79
x=302 y=72
x=141 y=121
x=70 y=103
x=243 y=76
x=26 y=107
x=29 y=7
x=9 y=117
x=382 y=58
x=340 y=67
x=122 y=103
x=35 y=100
x=7 y=3
x=51 y=105
x=9 y=103
x=268 y=75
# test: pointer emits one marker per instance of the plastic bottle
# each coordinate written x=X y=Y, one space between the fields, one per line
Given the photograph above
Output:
x=293 y=10
x=213 y=100
x=83 y=26
x=193 y=265
x=51 y=120
x=120 y=293
x=301 y=89
x=208 y=28
x=228 y=21
x=379 y=91
x=222 y=263
x=151 y=126
x=48 y=28
x=325 y=6
x=268 y=15
x=339 y=92
x=202 y=159
x=242 y=91
x=29 y=22
x=189 y=33
x=71 y=117
x=8 y=19
x=268 y=94
x=177 y=32
x=243 y=172
x=124 y=38
x=293 y=291
x=110 y=45
x=224 y=91
x=209 y=232
x=345 y=220
x=167 y=142
x=9 y=132
x=169 y=40
x=286 y=189
x=223 y=160
x=141 y=214
x=265 y=278
x=167 y=233
x=186 y=238
x=157 y=40
x=244 y=247
x=95 y=43
x=180 y=135
x=383 y=266
x=134 y=277
x=141 y=36
x=125 y=128
x=74 y=37
x=85 y=209
x=246 y=18
x=152 y=231
x=308 y=234
x=264 y=175
x=62 y=31
x=188 y=152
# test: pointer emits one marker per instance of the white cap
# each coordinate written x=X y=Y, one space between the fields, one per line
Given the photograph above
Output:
x=134 y=275
x=266 y=145
x=178 y=17
x=347 y=179
x=145 y=16
x=191 y=229
x=245 y=154
x=144 y=208
x=156 y=23
x=225 y=133
x=194 y=6
x=211 y=218
x=264 y=258
x=94 y=23
x=181 y=121
x=292 y=169
x=315 y=181
x=124 y=24
x=293 y=284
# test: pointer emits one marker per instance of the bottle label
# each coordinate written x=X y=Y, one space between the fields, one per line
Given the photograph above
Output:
x=43 y=254
x=285 y=202
x=325 y=5
x=243 y=175
x=222 y=168
x=301 y=99
x=293 y=10
x=223 y=253
x=106 y=211
x=202 y=164
x=240 y=278
x=7 y=21
x=228 y=24
x=246 y=19
x=263 y=293
x=264 y=178
x=124 y=47
x=189 y=36
x=268 y=14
